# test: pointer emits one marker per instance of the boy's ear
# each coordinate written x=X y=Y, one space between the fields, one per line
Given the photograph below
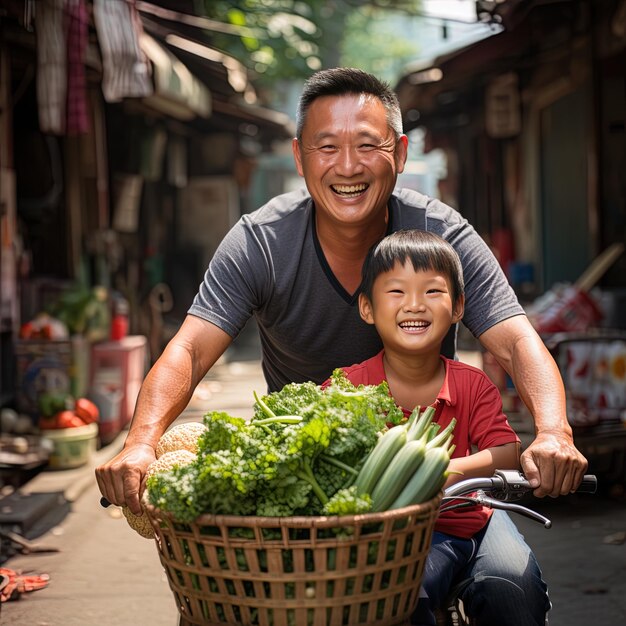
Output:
x=365 y=309
x=458 y=309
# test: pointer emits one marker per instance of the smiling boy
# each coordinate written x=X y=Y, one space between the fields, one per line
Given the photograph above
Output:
x=412 y=291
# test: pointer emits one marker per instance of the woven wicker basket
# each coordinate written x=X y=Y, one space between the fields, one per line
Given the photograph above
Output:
x=297 y=571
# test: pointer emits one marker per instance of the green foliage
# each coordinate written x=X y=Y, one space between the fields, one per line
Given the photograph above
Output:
x=303 y=445
x=378 y=42
x=290 y=400
x=289 y=39
x=84 y=311
x=49 y=403
x=279 y=38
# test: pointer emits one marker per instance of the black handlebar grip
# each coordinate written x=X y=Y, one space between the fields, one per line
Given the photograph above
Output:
x=589 y=484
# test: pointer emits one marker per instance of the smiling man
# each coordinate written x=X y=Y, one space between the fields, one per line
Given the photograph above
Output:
x=295 y=264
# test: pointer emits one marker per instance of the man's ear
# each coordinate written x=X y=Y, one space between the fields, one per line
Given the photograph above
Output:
x=295 y=147
x=365 y=309
x=458 y=309
x=401 y=152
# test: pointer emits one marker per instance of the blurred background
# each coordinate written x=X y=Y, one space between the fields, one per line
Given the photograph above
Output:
x=134 y=134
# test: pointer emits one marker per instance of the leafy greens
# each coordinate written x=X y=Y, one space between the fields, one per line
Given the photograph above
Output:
x=298 y=455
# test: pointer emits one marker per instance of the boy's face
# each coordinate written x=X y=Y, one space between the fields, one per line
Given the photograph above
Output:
x=412 y=310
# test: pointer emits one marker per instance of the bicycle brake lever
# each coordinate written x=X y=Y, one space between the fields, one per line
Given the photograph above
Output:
x=492 y=503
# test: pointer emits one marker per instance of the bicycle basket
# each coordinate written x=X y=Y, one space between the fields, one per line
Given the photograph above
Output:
x=297 y=571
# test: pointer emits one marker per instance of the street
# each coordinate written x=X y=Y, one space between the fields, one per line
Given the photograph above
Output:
x=583 y=558
x=106 y=574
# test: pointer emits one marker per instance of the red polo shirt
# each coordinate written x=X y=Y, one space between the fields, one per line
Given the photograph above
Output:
x=468 y=395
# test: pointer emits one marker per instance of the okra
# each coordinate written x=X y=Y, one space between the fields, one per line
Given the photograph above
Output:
x=427 y=480
x=420 y=425
x=415 y=413
x=402 y=467
x=444 y=437
x=379 y=458
x=432 y=430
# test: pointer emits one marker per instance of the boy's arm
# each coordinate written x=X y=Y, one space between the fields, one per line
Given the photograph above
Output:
x=484 y=462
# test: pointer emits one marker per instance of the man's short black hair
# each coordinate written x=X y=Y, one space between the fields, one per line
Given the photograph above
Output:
x=342 y=81
x=425 y=251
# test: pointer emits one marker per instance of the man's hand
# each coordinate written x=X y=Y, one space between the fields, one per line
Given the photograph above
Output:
x=553 y=465
x=121 y=479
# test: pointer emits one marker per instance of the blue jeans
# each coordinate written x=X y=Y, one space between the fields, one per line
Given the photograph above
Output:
x=504 y=588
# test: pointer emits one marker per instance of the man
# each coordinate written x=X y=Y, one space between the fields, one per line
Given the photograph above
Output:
x=295 y=264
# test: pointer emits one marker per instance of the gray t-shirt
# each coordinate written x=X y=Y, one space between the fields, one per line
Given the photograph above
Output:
x=271 y=265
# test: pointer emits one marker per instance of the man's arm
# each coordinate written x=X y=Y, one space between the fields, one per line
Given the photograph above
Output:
x=551 y=463
x=165 y=393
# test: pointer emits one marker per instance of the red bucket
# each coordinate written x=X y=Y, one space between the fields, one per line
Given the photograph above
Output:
x=573 y=311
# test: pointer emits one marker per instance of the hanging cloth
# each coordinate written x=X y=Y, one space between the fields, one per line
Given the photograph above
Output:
x=77 y=25
x=126 y=72
x=51 y=66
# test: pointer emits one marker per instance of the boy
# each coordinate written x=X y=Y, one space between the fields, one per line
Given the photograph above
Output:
x=412 y=291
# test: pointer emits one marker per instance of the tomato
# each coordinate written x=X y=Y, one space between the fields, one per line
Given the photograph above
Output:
x=68 y=419
x=27 y=330
x=86 y=410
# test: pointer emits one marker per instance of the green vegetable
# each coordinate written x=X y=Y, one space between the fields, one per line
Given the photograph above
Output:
x=427 y=480
x=303 y=445
x=347 y=502
x=444 y=438
x=50 y=403
x=402 y=467
x=380 y=457
x=418 y=425
x=394 y=474
x=84 y=311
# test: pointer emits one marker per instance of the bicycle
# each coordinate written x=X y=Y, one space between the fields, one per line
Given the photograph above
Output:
x=500 y=491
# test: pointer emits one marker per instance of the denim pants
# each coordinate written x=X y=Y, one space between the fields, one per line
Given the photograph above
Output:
x=504 y=587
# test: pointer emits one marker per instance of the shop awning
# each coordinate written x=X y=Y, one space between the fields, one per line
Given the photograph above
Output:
x=233 y=102
x=431 y=90
x=177 y=92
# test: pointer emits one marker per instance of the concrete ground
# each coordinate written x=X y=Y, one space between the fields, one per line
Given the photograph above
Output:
x=583 y=558
x=105 y=574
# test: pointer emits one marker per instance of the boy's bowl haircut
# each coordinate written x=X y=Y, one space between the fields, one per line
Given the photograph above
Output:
x=425 y=251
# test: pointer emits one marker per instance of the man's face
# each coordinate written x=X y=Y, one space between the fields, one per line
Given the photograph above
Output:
x=349 y=157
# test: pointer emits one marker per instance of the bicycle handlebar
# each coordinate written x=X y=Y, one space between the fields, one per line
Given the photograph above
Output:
x=509 y=485
x=504 y=487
